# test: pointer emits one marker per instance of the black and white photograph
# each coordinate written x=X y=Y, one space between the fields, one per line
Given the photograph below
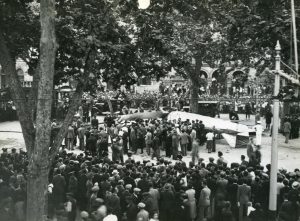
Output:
x=149 y=110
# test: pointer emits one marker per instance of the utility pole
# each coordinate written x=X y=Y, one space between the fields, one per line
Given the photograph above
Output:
x=294 y=35
x=274 y=151
x=294 y=31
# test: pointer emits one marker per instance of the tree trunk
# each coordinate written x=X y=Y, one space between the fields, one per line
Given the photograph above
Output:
x=38 y=159
x=194 y=77
x=9 y=68
x=75 y=103
x=109 y=104
x=33 y=93
x=194 y=97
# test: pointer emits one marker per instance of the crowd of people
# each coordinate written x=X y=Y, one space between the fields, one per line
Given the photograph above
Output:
x=291 y=127
x=95 y=186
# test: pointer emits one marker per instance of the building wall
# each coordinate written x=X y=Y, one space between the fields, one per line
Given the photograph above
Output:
x=22 y=71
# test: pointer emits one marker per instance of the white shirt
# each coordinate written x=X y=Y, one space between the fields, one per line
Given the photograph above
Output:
x=258 y=128
x=210 y=136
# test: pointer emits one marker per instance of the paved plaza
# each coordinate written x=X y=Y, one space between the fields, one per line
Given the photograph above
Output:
x=288 y=154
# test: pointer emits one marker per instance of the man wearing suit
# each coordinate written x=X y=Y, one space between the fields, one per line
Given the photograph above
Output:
x=81 y=133
x=204 y=201
x=243 y=199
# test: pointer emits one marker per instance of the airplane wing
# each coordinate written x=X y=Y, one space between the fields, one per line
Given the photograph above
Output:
x=209 y=122
x=143 y=115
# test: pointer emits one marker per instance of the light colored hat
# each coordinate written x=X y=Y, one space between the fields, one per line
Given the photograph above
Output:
x=259 y=122
x=137 y=190
x=84 y=214
x=141 y=205
x=295 y=185
x=115 y=172
x=95 y=188
x=128 y=186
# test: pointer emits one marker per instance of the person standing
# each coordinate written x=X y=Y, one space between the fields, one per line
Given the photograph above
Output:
x=70 y=137
x=250 y=150
x=175 y=144
x=155 y=145
x=191 y=201
x=95 y=122
x=268 y=117
x=287 y=130
x=193 y=134
x=142 y=215
x=81 y=133
x=71 y=207
x=195 y=150
x=259 y=130
x=125 y=136
x=184 y=140
x=59 y=188
x=169 y=144
x=248 y=110
x=204 y=201
x=243 y=199
x=257 y=117
x=133 y=139
x=209 y=143
x=103 y=142
x=148 y=141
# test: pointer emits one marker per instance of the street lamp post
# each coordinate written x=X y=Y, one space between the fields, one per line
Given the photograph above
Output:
x=274 y=148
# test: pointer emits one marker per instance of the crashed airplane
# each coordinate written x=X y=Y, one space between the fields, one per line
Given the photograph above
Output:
x=235 y=134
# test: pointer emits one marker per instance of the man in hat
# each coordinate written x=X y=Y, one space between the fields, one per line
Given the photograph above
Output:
x=59 y=187
x=142 y=215
x=259 y=130
x=136 y=197
x=131 y=209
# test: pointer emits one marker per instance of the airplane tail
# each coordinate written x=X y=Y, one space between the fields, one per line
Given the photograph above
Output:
x=235 y=141
x=230 y=139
